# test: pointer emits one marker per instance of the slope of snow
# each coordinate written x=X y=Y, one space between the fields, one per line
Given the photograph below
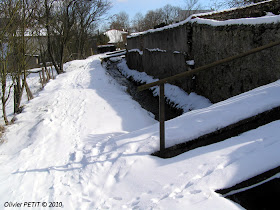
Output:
x=196 y=123
x=173 y=94
x=34 y=84
x=84 y=142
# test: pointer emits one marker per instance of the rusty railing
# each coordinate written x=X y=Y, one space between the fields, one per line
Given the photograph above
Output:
x=161 y=83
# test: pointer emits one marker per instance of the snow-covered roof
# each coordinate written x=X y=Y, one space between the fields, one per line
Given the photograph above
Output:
x=115 y=36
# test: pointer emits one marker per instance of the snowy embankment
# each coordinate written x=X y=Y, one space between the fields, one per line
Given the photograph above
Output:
x=84 y=142
x=174 y=95
x=34 y=84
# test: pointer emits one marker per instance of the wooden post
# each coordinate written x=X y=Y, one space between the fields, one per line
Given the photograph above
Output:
x=52 y=73
x=48 y=75
x=43 y=74
x=161 y=119
x=41 y=79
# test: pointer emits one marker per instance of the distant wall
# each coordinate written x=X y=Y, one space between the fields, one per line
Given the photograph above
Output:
x=164 y=50
x=32 y=61
x=255 y=10
x=165 y=53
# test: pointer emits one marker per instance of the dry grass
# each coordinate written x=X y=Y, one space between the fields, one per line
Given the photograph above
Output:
x=2 y=130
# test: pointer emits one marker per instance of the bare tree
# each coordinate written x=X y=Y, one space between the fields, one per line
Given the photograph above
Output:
x=67 y=23
x=17 y=16
x=153 y=18
x=218 y=4
x=156 y=18
x=138 y=22
x=191 y=6
x=120 y=21
x=8 y=17
x=87 y=14
x=239 y=3
x=170 y=13
x=59 y=20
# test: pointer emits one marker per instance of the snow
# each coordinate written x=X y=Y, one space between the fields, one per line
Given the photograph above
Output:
x=190 y=62
x=156 y=50
x=161 y=29
x=33 y=81
x=242 y=21
x=115 y=36
x=84 y=142
x=107 y=45
x=174 y=94
x=136 y=50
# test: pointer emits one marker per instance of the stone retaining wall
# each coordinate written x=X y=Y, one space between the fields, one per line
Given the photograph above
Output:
x=167 y=52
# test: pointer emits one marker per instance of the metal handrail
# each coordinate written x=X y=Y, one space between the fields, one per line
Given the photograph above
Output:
x=202 y=68
x=161 y=83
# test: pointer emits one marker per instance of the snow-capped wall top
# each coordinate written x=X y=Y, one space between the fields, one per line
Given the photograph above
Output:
x=235 y=8
x=160 y=29
x=243 y=21
x=201 y=19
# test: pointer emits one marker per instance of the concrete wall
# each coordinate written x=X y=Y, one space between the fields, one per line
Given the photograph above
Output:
x=164 y=53
x=215 y=43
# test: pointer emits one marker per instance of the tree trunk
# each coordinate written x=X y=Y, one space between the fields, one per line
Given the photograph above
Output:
x=4 y=100
x=28 y=91
x=61 y=57
x=49 y=38
x=4 y=110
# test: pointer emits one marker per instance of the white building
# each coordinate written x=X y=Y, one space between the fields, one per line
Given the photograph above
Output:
x=116 y=36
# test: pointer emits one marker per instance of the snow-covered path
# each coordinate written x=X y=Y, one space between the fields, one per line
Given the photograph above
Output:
x=52 y=147
x=84 y=142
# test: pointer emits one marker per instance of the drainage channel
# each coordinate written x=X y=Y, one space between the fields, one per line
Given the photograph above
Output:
x=145 y=98
x=259 y=192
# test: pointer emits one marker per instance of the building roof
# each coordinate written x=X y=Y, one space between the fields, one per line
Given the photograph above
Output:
x=115 y=36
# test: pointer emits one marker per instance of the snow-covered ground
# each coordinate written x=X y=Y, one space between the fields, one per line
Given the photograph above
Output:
x=35 y=86
x=84 y=142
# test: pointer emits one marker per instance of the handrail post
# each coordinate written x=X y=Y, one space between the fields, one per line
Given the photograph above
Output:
x=161 y=118
x=161 y=83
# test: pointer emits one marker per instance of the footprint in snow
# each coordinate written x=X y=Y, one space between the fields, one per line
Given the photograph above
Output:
x=195 y=192
x=117 y=198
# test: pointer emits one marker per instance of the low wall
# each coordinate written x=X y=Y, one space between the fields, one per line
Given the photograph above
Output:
x=255 y=10
x=166 y=52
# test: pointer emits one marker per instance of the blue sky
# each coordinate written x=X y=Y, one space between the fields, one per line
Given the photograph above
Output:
x=134 y=6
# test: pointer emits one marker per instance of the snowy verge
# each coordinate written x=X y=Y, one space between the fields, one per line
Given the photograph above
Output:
x=174 y=95
x=196 y=123
x=33 y=81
